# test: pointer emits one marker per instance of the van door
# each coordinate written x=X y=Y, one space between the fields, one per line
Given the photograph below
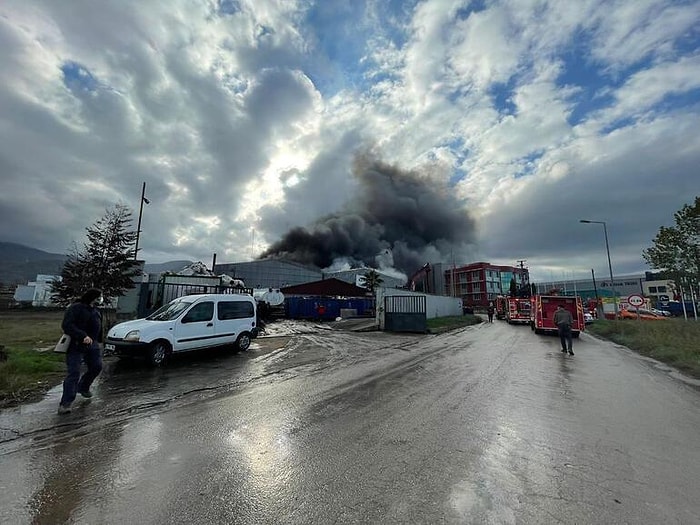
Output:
x=196 y=329
x=234 y=316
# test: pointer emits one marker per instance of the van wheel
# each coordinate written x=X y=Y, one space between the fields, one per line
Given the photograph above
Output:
x=538 y=331
x=575 y=335
x=243 y=342
x=158 y=353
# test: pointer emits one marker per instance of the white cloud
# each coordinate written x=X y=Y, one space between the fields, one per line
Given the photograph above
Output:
x=252 y=120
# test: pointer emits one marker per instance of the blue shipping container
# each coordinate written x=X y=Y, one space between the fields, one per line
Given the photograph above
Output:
x=325 y=309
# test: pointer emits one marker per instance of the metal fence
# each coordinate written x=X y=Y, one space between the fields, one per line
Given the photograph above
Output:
x=405 y=313
x=153 y=295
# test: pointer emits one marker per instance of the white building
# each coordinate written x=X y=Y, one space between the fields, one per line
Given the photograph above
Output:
x=37 y=292
x=659 y=291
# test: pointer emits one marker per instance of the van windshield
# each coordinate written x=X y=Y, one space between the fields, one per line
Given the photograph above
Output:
x=169 y=312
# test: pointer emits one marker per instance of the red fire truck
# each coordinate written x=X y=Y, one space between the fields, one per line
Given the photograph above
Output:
x=544 y=306
x=518 y=310
x=501 y=304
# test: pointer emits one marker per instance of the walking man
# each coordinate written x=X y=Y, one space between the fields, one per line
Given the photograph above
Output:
x=563 y=320
x=489 y=312
x=83 y=323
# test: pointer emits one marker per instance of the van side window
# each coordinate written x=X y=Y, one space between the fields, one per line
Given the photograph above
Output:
x=235 y=310
x=199 y=313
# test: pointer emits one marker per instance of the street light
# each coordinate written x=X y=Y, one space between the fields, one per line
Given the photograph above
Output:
x=138 y=228
x=607 y=249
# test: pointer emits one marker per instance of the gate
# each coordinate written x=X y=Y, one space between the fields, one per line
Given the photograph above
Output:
x=405 y=313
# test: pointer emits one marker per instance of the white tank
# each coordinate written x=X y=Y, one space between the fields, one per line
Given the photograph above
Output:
x=273 y=297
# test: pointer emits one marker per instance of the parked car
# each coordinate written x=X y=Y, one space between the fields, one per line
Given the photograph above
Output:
x=188 y=323
x=644 y=315
x=588 y=317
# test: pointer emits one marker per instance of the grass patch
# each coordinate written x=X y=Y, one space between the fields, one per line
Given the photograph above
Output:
x=443 y=324
x=30 y=368
x=674 y=341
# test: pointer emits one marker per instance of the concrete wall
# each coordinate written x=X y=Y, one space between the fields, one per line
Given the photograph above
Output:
x=436 y=305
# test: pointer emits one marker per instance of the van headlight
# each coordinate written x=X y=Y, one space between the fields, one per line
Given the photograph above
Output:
x=132 y=336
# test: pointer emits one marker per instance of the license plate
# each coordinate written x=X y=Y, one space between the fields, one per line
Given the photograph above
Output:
x=109 y=347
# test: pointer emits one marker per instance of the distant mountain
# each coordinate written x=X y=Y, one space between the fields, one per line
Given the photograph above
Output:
x=20 y=264
x=18 y=253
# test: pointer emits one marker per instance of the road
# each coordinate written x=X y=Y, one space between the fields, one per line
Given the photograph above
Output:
x=486 y=424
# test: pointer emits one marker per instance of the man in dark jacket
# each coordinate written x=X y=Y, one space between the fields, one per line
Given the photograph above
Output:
x=563 y=320
x=83 y=323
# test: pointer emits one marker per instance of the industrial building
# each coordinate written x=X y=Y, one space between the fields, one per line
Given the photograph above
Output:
x=355 y=276
x=625 y=285
x=476 y=283
x=270 y=273
x=279 y=273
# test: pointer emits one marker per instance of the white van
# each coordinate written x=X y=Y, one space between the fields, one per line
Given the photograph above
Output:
x=192 y=322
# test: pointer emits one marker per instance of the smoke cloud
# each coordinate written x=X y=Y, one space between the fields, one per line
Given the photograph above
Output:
x=397 y=220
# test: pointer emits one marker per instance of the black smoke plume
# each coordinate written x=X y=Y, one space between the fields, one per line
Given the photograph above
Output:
x=396 y=215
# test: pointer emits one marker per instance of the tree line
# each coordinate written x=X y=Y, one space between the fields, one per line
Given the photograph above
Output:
x=675 y=250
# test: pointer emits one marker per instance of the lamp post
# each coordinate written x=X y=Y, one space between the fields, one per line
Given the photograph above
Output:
x=138 y=228
x=607 y=249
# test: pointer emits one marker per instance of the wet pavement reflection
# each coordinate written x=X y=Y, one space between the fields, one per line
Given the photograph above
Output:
x=488 y=424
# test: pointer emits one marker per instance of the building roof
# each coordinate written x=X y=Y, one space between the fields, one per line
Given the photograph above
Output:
x=326 y=287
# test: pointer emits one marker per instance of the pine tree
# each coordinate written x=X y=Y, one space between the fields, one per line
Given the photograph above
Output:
x=105 y=262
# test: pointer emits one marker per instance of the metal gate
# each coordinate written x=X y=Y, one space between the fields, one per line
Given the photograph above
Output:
x=153 y=295
x=405 y=313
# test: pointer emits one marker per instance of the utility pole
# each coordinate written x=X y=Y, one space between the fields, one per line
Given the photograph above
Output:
x=607 y=250
x=600 y=314
x=454 y=285
x=138 y=228
x=523 y=280
x=522 y=269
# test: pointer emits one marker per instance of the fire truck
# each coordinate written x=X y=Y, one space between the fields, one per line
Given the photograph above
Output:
x=501 y=305
x=518 y=310
x=543 y=308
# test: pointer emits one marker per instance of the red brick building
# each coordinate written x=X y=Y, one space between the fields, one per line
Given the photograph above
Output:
x=476 y=283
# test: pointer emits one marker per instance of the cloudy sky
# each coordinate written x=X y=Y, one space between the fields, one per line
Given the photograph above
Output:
x=432 y=130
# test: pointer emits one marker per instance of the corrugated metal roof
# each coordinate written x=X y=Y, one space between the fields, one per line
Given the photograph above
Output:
x=327 y=287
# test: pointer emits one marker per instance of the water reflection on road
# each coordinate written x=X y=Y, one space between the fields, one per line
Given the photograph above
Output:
x=489 y=424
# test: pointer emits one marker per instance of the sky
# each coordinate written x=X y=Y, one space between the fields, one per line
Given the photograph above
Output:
x=376 y=132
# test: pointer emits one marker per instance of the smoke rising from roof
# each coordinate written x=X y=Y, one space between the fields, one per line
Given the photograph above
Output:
x=397 y=219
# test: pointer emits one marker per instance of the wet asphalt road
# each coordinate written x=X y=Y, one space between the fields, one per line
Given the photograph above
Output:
x=488 y=424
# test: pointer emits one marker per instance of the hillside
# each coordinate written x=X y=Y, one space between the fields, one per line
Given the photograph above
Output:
x=20 y=264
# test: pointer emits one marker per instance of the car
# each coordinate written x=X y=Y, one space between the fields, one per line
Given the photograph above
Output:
x=644 y=315
x=664 y=313
x=588 y=317
x=188 y=323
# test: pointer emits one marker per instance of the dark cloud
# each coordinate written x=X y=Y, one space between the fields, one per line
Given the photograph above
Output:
x=412 y=215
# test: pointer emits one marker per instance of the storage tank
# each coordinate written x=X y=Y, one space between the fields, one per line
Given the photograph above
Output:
x=273 y=297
